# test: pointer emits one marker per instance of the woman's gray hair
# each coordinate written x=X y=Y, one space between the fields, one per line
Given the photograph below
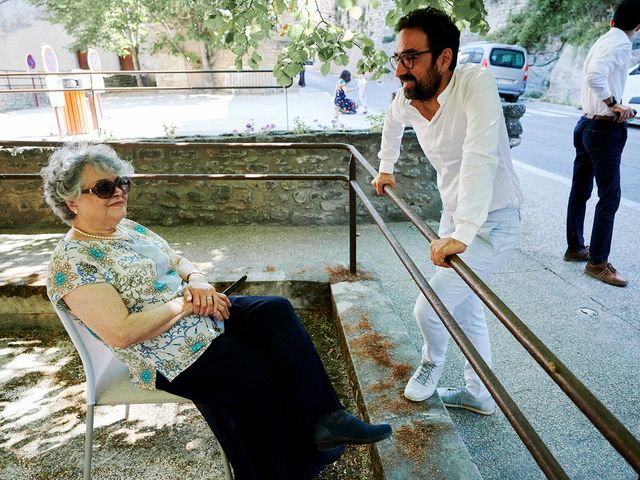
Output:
x=63 y=174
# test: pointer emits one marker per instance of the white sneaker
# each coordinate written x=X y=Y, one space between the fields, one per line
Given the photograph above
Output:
x=423 y=382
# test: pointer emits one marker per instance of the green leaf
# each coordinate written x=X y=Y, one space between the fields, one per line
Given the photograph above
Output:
x=346 y=4
x=325 y=68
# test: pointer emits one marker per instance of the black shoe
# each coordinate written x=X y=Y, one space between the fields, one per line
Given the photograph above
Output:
x=341 y=427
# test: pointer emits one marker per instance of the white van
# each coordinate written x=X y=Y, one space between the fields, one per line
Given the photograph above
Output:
x=508 y=63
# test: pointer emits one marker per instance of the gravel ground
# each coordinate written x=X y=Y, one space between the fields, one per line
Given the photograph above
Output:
x=42 y=419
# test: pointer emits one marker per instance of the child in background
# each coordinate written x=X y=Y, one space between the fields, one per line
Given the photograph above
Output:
x=362 y=92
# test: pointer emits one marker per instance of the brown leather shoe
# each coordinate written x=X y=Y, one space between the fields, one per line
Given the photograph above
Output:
x=606 y=273
x=577 y=255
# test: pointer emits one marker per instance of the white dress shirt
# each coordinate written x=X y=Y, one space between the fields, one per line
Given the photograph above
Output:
x=605 y=71
x=467 y=143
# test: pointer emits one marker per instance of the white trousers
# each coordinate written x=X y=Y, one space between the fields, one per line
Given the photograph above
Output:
x=491 y=247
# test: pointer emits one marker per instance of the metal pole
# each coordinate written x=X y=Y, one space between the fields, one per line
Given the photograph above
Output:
x=286 y=105
x=352 y=216
x=35 y=95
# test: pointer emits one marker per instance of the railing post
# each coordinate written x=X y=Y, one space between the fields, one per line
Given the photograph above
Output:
x=286 y=105
x=352 y=216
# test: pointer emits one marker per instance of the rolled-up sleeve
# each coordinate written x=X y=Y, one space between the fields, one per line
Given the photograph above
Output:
x=479 y=157
x=391 y=136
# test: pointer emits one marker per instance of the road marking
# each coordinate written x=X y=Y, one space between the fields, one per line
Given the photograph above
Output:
x=566 y=181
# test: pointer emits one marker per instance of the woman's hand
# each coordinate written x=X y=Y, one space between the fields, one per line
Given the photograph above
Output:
x=205 y=299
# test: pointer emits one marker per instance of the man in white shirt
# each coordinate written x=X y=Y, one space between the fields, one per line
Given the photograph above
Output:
x=599 y=138
x=458 y=120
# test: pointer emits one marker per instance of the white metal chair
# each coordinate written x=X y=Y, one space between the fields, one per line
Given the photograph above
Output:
x=108 y=384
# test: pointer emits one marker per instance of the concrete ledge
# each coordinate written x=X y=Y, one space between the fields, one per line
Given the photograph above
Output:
x=425 y=443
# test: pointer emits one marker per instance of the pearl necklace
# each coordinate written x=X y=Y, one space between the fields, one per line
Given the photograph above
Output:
x=119 y=236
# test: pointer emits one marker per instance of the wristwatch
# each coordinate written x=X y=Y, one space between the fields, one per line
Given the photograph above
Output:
x=610 y=101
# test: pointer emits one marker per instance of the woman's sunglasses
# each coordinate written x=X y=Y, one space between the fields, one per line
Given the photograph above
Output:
x=107 y=188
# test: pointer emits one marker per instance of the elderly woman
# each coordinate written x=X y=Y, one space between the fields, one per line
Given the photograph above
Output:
x=246 y=362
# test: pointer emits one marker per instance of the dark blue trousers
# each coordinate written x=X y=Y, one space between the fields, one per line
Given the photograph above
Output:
x=599 y=146
x=260 y=386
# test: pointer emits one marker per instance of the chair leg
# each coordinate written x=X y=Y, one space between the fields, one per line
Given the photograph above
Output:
x=227 y=468
x=88 y=443
x=126 y=412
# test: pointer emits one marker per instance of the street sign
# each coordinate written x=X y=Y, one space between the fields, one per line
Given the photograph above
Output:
x=49 y=59
x=93 y=59
x=31 y=62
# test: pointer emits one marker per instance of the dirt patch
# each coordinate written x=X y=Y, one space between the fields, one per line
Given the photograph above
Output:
x=401 y=371
x=374 y=346
x=415 y=438
x=340 y=273
x=364 y=323
x=381 y=386
x=399 y=406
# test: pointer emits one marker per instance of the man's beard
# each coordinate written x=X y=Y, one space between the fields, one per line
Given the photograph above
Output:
x=426 y=88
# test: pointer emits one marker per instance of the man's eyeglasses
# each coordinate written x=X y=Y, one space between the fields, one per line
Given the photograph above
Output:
x=406 y=59
x=106 y=188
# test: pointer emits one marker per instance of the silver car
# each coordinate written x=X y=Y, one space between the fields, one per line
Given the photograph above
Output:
x=508 y=63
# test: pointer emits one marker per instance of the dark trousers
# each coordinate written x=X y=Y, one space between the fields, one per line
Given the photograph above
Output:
x=260 y=386
x=599 y=146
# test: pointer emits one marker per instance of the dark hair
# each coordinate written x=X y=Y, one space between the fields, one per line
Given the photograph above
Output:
x=346 y=76
x=439 y=28
x=627 y=15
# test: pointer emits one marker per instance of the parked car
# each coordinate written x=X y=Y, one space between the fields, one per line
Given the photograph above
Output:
x=631 y=95
x=508 y=63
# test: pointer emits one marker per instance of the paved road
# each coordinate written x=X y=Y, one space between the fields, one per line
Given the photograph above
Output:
x=547 y=143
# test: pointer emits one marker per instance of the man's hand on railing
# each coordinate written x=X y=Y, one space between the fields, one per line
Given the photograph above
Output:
x=442 y=248
x=381 y=180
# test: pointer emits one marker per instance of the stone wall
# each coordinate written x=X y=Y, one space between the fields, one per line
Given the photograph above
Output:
x=216 y=202
x=199 y=202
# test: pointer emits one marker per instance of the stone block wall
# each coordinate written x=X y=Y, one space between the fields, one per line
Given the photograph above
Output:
x=217 y=202
x=288 y=202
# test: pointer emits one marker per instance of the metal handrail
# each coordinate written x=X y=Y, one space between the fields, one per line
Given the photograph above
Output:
x=135 y=89
x=611 y=428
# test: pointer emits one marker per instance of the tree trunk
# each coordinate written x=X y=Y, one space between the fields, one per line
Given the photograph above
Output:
x=136 y=63
x=207 y=79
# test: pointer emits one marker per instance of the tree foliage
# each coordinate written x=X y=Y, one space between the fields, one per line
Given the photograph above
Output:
x=540 y=21
x=240 y=26
x=116 y=25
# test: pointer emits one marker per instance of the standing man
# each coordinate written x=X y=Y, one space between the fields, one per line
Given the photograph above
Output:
x=599 y=139
x=458 y=120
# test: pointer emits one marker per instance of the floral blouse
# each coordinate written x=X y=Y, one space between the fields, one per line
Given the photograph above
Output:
x=142 y=268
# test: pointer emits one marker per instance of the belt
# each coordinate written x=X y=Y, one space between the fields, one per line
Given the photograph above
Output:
x=606 y=118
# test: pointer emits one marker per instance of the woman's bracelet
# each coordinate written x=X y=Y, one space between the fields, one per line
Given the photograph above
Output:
x=195 y=272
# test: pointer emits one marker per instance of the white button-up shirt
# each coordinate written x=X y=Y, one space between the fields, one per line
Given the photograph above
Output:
x=467 y=143
x=605 y=71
